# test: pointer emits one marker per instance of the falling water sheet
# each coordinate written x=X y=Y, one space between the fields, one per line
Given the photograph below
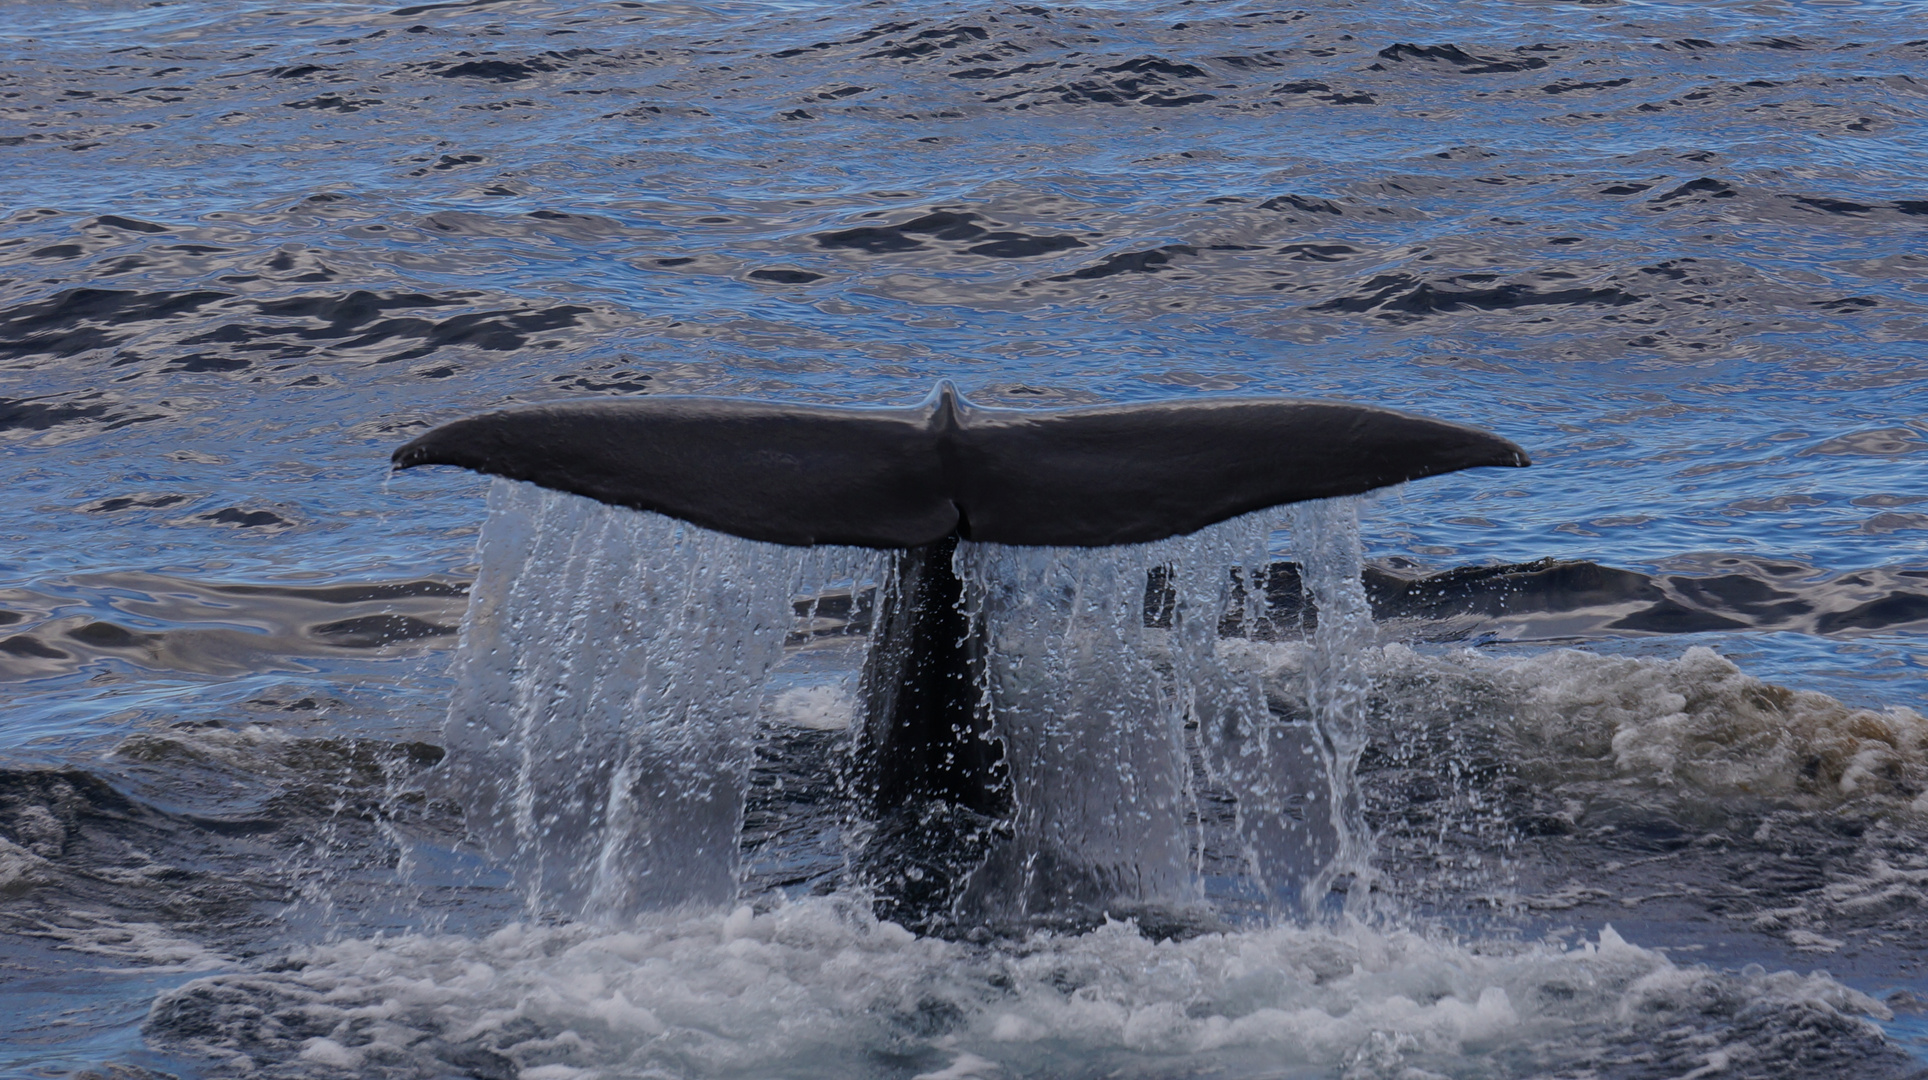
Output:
x=608 y=684
x=613 y=664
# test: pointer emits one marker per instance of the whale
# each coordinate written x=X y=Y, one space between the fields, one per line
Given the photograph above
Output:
x=921 y=479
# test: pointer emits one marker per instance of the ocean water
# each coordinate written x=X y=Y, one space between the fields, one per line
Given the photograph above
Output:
x=1640 y=759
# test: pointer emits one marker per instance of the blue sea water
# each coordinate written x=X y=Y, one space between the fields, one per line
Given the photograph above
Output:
x=1674 y=250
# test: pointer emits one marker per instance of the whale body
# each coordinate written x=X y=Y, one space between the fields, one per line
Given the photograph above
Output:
x=908 y=477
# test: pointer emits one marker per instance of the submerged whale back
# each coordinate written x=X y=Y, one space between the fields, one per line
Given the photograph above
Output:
x=899 y=478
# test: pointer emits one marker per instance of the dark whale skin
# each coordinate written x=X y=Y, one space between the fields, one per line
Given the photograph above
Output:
x=907 y=477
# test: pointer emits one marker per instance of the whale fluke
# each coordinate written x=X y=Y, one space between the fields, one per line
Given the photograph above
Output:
x=906 y=477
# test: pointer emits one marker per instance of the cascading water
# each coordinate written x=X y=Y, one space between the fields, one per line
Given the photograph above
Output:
x=1255 y=758
x=1093 y=704
x=608 y=681
x=1092 y=735
x=1326 y=539
x=613 y=664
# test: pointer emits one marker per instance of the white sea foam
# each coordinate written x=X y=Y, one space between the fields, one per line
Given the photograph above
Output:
x=124 y=944
x=818 y=988
x=20 y=868
x=1697 y=724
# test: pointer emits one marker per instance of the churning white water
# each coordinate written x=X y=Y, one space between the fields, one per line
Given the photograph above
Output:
x=818 y=989
x=613 y=679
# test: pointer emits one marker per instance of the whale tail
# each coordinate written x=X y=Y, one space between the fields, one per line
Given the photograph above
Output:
x=907 y=477
x=918 y=480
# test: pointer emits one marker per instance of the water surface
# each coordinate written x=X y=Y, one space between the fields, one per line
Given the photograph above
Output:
x=1672 y=249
